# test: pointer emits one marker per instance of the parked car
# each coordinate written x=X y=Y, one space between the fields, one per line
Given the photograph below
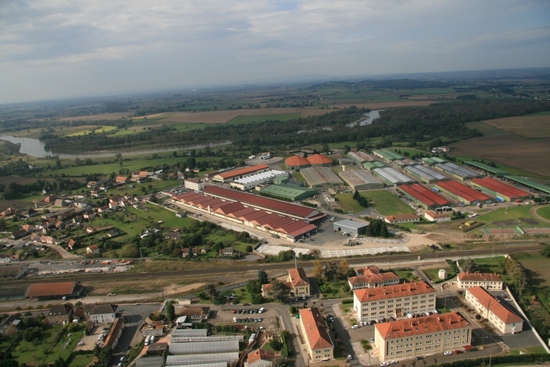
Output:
x=447 y=353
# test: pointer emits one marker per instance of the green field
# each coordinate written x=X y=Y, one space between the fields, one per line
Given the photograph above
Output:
x=433 y=274
x=243 y=119
x=509 y=217
x=544 y=212
x=45 y=350
x=97 y=130
x=387 y=203
x=487 y=265
x=348 y=203
x=81 y=360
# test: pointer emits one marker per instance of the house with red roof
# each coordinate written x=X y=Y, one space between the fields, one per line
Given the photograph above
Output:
x=260 y=358
x=316 y=335
x=499 y=316
x=54 y=290
x=299 y=282
x=491 y=281
x=235 y=174
x=319 y=160
x=372 y=277
x=297 y=162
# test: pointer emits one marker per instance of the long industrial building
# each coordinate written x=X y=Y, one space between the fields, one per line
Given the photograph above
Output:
x=527 y=182
x=387 y=155
x=391 y=176
x=269 y=221
x=463 y=193
x=321 y=177
x=424 y=197
x=425 y=174
x=250 y=182
x=360 y=157
x=500 y=190
x=486 y=168
x=239 y=173
x=372 y=165
x=456 y=171
x=288 y=192
x=360 y=179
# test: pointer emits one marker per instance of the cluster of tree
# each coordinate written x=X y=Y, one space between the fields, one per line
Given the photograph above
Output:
x=332 y=271
x=364 y=202
x=377 y=228
x=15 y=190
x=287 y=255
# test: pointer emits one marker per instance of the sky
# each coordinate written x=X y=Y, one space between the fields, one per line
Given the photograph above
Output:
x=71 y=48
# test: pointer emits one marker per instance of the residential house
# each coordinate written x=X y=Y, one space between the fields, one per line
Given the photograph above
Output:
x=103 y=313
x=121 y=180
x=401 y=218
x=92 y=250
x=227 y=252
x=437 y=217
x=60 y=314
x=316 y=335
x=299 y=283
x=195 y=313
x=490 y=281
x=422 y=336
x=499 y=316
x=115 y=332
x=195 y=184
x=393 y=300
x=260 y=358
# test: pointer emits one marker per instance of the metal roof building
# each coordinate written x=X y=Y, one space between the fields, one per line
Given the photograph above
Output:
x=391 y=176
x=250 y=182
x=204 y=347
x=529 y=183
x=321 y=177
x=485 y=167
x=387 y=155
x=360 y=157
x=456 y=171
x=360 y=179
x=202 y=359
x=424 y=173
x=424 y=197
x=214 y=338
x=150 y=362
x=350 y=226
x=372 y=165
x=288 y=192
x=501 y=191
x=190 y=332
x=463 y=193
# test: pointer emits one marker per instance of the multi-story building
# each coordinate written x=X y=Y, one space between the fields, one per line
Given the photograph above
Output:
x=316 y=335
x=421 y=336
x=372 y=277
x=299 y=283
x=500 y=317
x=394 y=300
x=491 y=281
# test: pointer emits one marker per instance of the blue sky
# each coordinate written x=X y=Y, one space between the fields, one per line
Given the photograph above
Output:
x=72 y=48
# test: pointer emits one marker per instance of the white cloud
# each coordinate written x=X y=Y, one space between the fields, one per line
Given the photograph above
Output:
x=212 y=41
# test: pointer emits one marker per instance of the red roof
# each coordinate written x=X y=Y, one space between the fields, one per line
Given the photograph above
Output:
x=370 y=277
x=463 y=191
x=423 y=195
x=500 y=187
x=480 y=277
x=261 y=202
x=315 y=328
x=298 y=277
x=51 y=289
x=297 y=228
x=491 y=303
x=319 y=159
x=260 y=355
x=230 y=208
x=421 y=325
x=297 y=161
x=243 y=171
x=393 y=291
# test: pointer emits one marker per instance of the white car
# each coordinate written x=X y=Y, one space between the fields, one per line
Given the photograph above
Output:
x=355 y=326
x=447 y=353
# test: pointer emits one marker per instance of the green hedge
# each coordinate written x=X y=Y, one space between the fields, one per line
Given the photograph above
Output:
x=496 y=360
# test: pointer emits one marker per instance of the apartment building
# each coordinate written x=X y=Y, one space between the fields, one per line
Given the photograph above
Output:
x=500 y=317
x=315 y=334
x=299 y=283
x=490 y=281
x=421 y=336
x=394 y=300
x=372 y=277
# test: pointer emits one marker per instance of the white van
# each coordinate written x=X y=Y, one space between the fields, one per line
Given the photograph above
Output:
x=147 y=340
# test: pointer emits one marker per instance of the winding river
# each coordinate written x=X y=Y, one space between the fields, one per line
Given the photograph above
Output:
x=35 y=148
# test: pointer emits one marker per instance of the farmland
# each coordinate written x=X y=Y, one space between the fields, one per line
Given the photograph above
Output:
x=534 y=126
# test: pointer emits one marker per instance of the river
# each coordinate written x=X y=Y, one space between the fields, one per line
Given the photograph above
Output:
x=35 y=148
x=369 y=118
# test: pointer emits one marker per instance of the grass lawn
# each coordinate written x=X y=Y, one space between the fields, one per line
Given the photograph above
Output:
x=348 y=203
x=387 y=203
x=486 y=265
x=433 y=274
x=544 y=212
x=510 y=216
x=97 y=129
x=406 y=274
x=81 y=360
x=45 y=351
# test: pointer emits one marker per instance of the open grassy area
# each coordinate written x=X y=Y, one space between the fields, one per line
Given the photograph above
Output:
x=348 y=203
x=95 y=129
x=433 y=274
x=510 y=216
x=486 y=265
x=544 y=212
x=46 y=350
x=387 y=203
x=406 y=274
x=81 y=360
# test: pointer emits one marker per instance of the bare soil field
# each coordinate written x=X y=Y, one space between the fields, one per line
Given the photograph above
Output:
x=531 y=155
x=534 y=127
